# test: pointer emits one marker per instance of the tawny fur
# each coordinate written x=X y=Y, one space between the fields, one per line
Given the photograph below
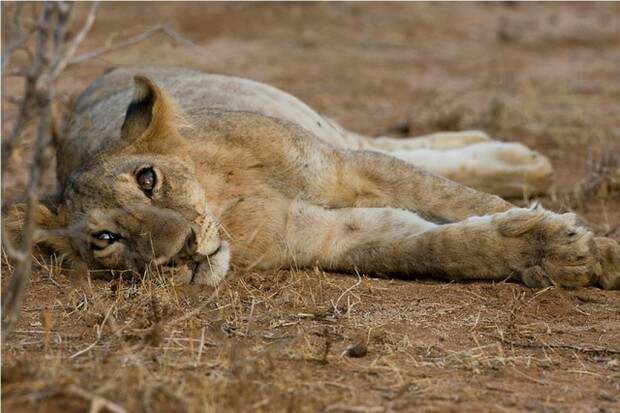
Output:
x=250 y=175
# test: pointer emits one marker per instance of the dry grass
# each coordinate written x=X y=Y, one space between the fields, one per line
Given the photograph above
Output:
x=282 y=340
x=277 y=341
x=603 y=180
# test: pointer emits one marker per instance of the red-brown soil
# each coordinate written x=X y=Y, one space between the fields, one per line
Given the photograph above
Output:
x=543 y=74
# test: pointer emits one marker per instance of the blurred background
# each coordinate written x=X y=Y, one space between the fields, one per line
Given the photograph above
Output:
x=543 y=74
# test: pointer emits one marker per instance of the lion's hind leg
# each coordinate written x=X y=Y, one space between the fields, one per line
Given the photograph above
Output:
x=472 y=158
x=505 y=169
x=437 y=140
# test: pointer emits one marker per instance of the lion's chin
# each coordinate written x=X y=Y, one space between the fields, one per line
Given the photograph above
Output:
x=211 y=271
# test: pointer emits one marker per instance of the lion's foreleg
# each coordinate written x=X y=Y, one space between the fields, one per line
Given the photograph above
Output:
x=394 y=242
x=535 y=246
x=326 y=237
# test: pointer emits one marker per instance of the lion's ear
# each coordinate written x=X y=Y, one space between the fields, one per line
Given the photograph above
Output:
x=151 y=119
x=50 y=228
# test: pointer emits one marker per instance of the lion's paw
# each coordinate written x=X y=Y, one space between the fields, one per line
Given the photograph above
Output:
x=557 y=250
x=609 y=251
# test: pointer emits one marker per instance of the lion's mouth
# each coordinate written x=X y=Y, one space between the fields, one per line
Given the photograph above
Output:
x=213 y=268
x=203 y=269
x=217 y=250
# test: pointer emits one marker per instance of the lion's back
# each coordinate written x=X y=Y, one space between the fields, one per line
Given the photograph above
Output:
x=197 y=92
x=99 y=111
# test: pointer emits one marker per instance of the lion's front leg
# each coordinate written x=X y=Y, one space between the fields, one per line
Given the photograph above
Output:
x=537 y=247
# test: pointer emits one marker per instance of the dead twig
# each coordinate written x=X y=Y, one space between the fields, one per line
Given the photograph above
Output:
x=560 y=346
x=14 y=293
x=357 y=283
x=21 y=39
x=133 y=40
x=97 y=403
x=48 y=58
x=63 y=59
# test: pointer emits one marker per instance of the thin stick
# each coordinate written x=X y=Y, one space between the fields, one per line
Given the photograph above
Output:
x=201 y=346
x=359 y=281
x=561 y=346
x=48 y=59
x=97 y=403
x=14 y=294
x=131 y=41
x=65 y=58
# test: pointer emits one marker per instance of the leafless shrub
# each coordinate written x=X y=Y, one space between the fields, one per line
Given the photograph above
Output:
x=49 y=49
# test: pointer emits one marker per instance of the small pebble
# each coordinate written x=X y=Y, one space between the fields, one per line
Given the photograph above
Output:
x=357 y=351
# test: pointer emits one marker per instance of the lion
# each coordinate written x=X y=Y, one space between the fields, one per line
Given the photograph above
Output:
x=198 y=172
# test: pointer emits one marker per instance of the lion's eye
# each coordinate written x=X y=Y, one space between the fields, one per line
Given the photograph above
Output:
x=107 y=236
x=147 y=179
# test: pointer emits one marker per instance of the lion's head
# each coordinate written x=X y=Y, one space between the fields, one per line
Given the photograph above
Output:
x=135 y=203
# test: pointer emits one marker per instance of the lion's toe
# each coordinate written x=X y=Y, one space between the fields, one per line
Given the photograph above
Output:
x=609 y=251
x=560 y=251
x=570 y=257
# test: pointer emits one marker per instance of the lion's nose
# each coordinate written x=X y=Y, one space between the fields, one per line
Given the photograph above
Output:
x=191 y=243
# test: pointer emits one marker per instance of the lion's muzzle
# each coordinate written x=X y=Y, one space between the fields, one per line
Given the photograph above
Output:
x=145 y=235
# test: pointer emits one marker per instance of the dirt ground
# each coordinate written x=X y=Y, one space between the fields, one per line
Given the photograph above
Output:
x=546 y=75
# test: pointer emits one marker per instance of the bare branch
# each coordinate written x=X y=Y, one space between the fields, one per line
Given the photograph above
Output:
x=97 y=403
x=133 y=40
x=63 y=18
x=30 y=91
x=71 y=48
x=14 y=294
x=50 y=54
x=15 y=45
x=20 y=37
x=10 y=249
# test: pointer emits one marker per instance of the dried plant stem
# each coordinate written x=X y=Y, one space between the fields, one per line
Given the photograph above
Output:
x=133 y=40
x=63 y=59
x=14 y=293
x=561 y=346
x=52 y=53
x=50 y=56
